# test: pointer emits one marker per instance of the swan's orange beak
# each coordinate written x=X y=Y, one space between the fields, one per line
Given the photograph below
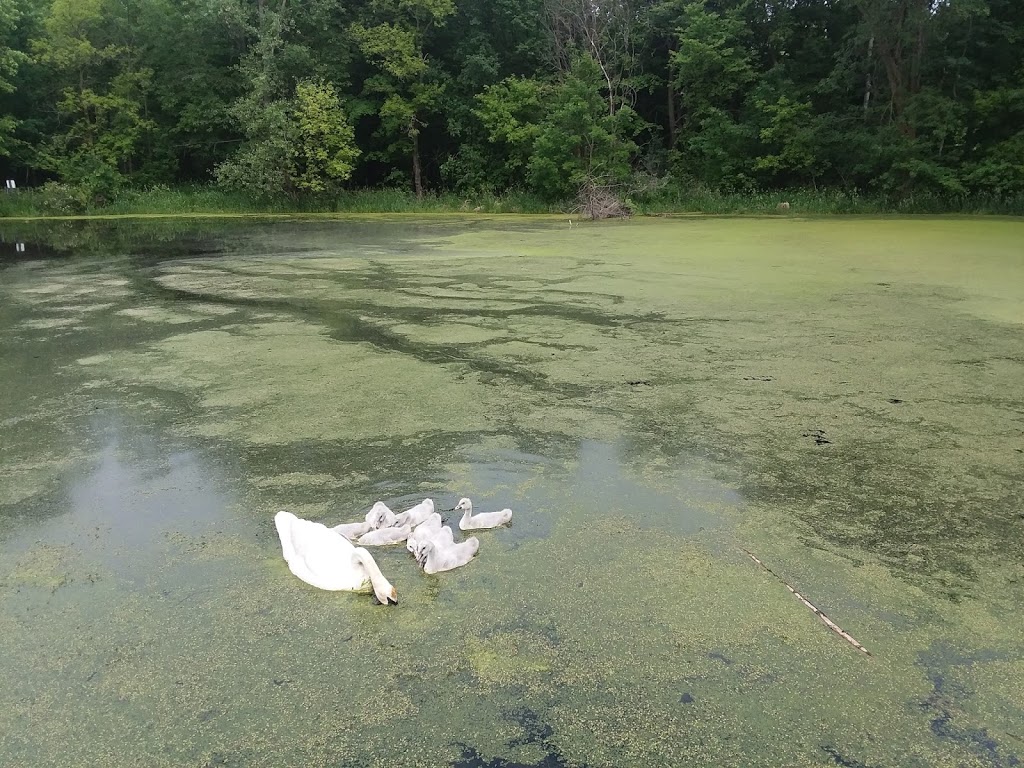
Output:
x=393 y=597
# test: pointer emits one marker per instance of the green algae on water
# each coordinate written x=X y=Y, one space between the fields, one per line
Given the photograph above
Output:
x=842 y=397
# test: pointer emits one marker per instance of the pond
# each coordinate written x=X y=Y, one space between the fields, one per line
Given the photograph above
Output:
x=842 y=398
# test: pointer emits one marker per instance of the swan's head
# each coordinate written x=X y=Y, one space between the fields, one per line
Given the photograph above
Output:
x=382 y=588
x=386 y=593
x=429 y=503
x=464 y=505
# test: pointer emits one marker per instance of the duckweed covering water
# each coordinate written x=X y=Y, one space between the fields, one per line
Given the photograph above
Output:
x=843 y=398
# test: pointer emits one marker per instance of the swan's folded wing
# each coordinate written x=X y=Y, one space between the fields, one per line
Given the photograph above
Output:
x=318 y=546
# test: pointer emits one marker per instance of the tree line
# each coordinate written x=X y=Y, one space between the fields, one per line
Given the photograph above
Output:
x=306 y=97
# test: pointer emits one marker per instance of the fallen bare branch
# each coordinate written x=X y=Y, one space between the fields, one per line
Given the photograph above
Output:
x=825 y=619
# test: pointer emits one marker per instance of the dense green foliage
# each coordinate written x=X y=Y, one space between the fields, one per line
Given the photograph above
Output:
x=891 y=100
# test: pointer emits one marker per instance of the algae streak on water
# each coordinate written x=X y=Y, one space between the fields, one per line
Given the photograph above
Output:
x=843 y=397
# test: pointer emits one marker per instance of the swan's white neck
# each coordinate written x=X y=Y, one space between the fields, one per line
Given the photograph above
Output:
x=381 y=586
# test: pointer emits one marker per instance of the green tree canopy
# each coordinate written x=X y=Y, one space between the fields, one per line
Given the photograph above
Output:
x=888 y=97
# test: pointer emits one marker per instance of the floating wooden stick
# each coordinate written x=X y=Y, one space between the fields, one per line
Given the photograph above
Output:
x=825 y=619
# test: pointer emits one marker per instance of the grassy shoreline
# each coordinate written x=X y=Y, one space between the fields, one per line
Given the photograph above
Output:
x=211 y=202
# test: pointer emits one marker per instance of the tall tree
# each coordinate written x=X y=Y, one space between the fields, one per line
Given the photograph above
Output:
x=609 y=32
x=712 y=70
x=10 y=59
x=394 y=40
x=101 y=89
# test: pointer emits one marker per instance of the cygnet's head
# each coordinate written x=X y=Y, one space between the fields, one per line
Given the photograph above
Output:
x=381 y=516
x=423 y=548
x=464 y=505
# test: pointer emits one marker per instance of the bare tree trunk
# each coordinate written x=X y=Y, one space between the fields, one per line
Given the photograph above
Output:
x=867 y=83
x=919 y=46
x=899 y=31
x=605 y=29
x=417 y=179
x=894 y=71
x=672 y=127
x=611 y=88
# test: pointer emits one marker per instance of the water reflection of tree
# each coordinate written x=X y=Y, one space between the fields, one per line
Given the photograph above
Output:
x=55 y=238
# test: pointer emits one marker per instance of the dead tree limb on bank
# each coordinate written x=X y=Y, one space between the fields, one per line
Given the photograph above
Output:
x=601 y=201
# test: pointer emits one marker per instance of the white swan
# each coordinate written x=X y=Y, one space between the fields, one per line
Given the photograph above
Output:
x=382 y=537
x=443 y=537
x=471 y=522
x=438 y=558
x=326 y=559
x=425 y=529
x=417 y=514
x=379 y=516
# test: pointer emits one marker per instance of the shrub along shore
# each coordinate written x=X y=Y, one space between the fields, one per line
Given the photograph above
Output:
x=207 y=200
